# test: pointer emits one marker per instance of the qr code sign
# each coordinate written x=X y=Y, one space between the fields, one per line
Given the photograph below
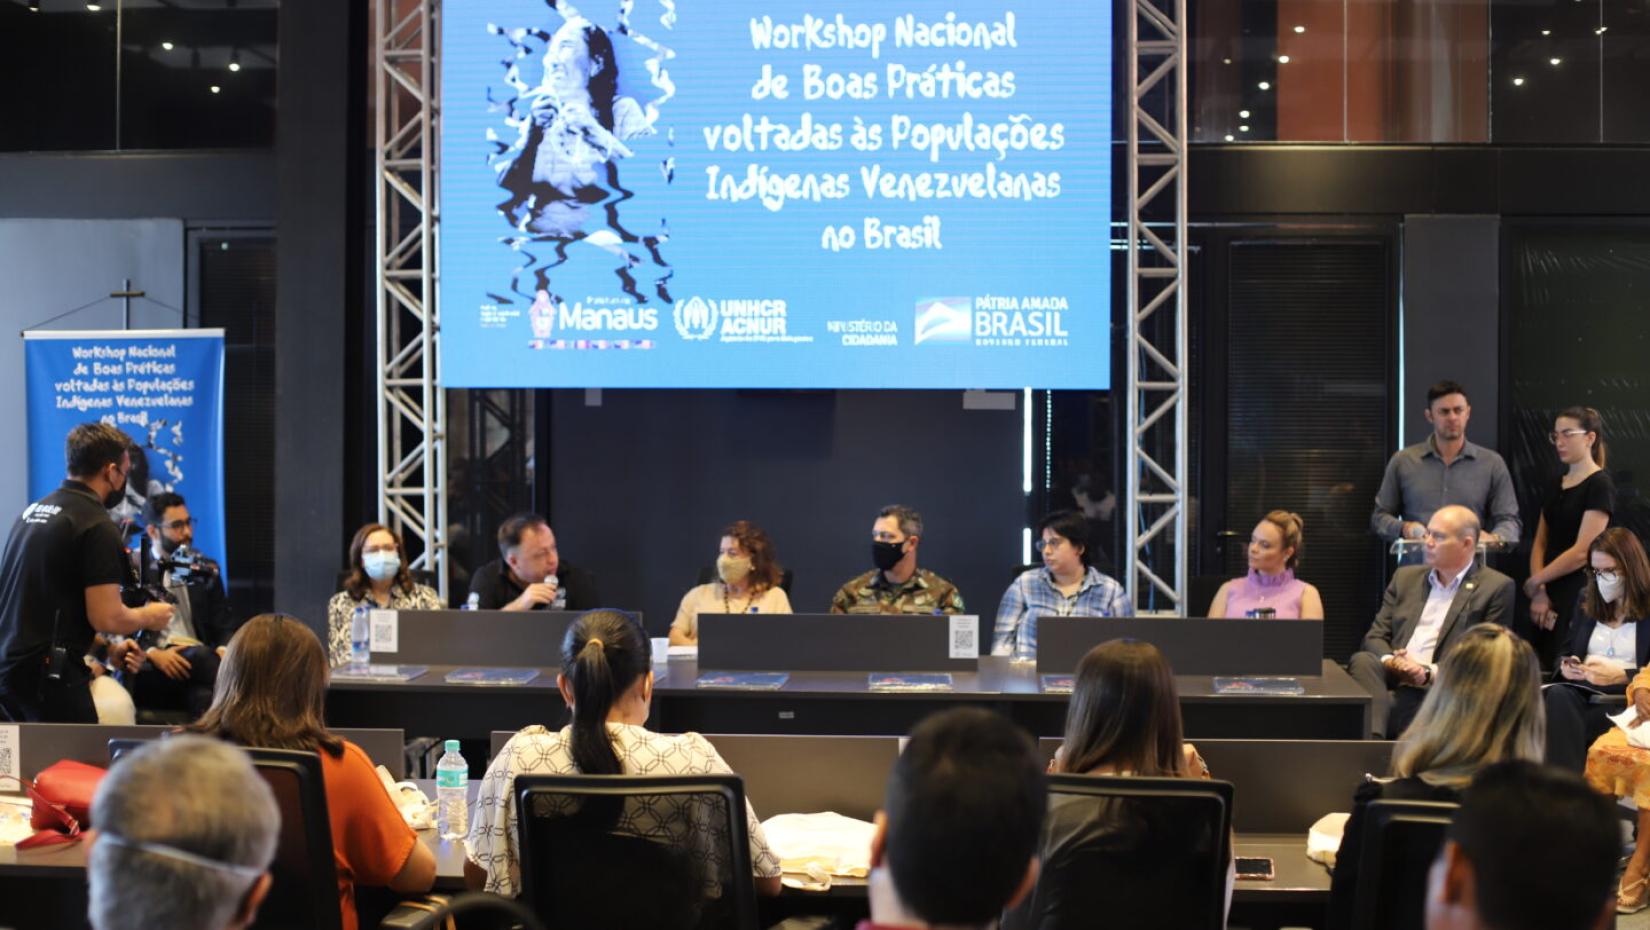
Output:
x=9 y=750
x=965 y=637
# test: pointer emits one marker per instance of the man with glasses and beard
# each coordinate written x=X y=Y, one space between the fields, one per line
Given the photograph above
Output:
x=60 y=579
x=181 y=662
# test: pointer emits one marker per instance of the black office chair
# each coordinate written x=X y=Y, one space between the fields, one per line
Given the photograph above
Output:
x=1200 y=593
x=1401 y=838
x=635 y=852
x=305 y=891
x=707 y=574
x=1132 y=854
x=1021 y=569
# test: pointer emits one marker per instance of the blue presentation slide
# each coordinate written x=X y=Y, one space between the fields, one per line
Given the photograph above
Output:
x=743 y=194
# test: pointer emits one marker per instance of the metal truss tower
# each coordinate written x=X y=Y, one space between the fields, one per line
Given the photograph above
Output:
x=1156 y=553
x=411 y=407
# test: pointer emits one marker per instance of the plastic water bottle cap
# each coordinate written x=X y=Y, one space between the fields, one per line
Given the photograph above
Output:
x=452 y=745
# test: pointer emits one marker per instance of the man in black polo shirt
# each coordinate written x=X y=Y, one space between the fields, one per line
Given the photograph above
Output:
x=530 y=574
x=60 y=578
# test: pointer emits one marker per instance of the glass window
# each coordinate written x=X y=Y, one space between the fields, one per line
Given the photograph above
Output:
x=137 y=74
x=1427 y=71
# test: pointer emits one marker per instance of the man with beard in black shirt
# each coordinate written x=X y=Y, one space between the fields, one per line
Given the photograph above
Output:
x=60 y=579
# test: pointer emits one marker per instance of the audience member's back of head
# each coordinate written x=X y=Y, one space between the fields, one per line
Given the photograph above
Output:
x=1124 y=713
x=186 y=832
x=1532 y=848
x=271 y=690
x=965 y=808
x=603 y=655
x=1485 y=707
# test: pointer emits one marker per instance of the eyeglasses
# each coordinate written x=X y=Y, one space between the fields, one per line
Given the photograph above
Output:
x=1556 y=435
x=1046 y=545
x=177 y=525
x=1601 y=574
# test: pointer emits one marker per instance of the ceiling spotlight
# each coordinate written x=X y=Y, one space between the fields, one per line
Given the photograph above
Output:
x=1299 y=30
x=1283 y=59
x=94 y=7
x=1226 y=61
x=234 y=59
x=1546 y=32
x=1243 y=113
x=1518 y=82
x=166 y=45
x=1229 y=138
x=1600 y=30
x=216 y=89
x=1265 y=85
x=234 y=66
x=34 y=6
x=1243 y=128
x=1555 y=62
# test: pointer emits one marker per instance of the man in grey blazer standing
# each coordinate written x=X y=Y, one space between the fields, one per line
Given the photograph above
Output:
x=1425 y=608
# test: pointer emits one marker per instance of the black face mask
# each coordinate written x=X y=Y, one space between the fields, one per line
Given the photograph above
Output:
x=885 y=555
x=112 y=499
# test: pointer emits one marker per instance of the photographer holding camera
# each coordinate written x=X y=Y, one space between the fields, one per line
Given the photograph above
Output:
x=60 y=579
x=181 y=661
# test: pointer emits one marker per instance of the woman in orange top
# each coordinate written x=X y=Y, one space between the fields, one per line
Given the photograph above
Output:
x=270 y=694
x=1617 y=768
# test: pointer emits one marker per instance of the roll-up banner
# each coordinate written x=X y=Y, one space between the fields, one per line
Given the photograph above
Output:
x=163 y=387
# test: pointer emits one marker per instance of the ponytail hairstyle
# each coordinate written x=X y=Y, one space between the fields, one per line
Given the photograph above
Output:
x=602 y=656
x=1590 y=420
x=1289 y=526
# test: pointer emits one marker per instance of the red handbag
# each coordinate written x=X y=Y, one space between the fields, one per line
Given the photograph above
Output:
x=62 y=795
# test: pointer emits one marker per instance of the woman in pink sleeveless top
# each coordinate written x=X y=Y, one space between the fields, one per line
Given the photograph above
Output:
x=1271 y=585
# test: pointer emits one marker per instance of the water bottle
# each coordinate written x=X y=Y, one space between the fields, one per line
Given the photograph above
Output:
x=360 y=632
x=473 y=602
x=452 y=788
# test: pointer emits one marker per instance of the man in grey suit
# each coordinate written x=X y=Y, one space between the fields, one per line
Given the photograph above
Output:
x=1425 y=608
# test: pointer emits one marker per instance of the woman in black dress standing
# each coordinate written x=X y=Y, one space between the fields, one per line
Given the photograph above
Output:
x=1574 y=510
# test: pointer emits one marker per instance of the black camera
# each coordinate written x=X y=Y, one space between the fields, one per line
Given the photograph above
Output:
x=185 y=563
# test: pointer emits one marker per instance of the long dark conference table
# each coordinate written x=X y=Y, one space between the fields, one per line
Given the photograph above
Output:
x=1282 y=786
x=828 y=659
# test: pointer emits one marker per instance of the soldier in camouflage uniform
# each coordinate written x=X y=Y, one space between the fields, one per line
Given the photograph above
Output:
x=896 y=585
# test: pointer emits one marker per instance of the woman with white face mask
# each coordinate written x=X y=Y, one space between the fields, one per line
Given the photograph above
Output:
x=378 y=578
x=1619 y=587
x=747 y=582
x=1609 y=642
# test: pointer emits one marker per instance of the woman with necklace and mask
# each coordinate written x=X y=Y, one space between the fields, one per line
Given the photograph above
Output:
x=378 y=578
x=747 y=582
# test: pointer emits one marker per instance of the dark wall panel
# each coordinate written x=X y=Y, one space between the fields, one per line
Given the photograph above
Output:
x=319 y=234
x=1308 y=408
x=1452 y=289
x=193 y=186
x=1577 y=335
x=641 y=486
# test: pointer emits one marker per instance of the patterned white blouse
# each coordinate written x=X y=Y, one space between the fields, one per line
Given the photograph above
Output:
x=492 y=843
x=341 y=609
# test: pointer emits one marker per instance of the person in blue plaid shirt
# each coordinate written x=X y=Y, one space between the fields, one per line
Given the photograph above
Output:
x=1066 y=586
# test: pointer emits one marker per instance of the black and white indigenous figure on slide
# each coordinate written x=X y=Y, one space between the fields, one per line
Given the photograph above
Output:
x=567 y=110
